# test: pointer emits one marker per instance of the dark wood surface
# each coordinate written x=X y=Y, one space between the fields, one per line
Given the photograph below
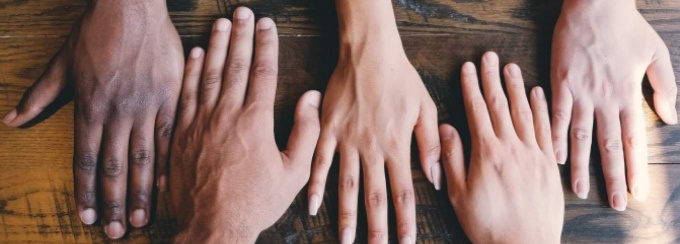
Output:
x=36 y=185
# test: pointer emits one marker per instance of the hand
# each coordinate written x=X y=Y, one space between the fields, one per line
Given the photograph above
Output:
x=601 y=51
x=373 y=103
x=124 y=63
x=511 y=192
x=229 y=181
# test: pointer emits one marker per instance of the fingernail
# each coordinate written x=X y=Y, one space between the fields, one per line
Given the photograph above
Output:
x=346 y=237
x=88 y=216
x=406 y=240
x=490 y=58
x=196 y=53
x=559 y=156
x=514 y=71
x=114 y=230
x=639 y=195
x=138 y=218
x=10 y=116
x=673 y=113
x=241 y=13
x=539 y=92
x=315 y=99
x=468 y=67
x=619 y=202
x=581 y=190
x=162 y=183
x=313 y=204
x=436 y=172
x=222 y=25
x=265 y=24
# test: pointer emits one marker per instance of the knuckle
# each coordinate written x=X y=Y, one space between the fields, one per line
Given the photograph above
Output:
x=113 y=167
x=581 y=135
x=347 y=215
x=499 y=102
x=114 y=209
x=377 y=235
x=188 y=101
x=211 y=78
x=560 y=115
x=238 y=65
x=164 y=130
x=634 y=141
x=265 y=71
x=87 y=198
x=377 y=200
x=612 y=145
x=478 y=105
x=524 y=115
x=404 y=197
x=141 y=198
x=322 y=161
x=142 y=157
x=86 y=162
x=348 y=183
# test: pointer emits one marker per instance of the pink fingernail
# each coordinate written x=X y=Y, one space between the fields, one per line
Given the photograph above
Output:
x=162 y=183
x=10 y=116
x=88 y=216
x=114 y=230
x=619 y=202
x=436 y=172
x=138 y=218
x=314 y=201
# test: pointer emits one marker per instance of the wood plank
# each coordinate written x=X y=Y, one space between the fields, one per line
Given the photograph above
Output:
x=313 y=17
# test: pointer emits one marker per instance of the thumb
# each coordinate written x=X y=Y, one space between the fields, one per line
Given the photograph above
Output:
x=43 y=92
x=305 y=133
x=662 y=79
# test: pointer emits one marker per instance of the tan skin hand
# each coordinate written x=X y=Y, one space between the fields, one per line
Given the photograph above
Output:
x=374 y=101
x=229 y=181
x=601 y=53
x=124 y=62
x=511 y=191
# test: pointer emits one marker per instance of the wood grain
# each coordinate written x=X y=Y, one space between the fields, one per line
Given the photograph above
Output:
x=36 y=185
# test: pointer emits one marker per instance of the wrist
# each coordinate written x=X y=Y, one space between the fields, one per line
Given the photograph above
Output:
x=360 y=21
x=596 y=7
x=209 y=228
x=129 y=8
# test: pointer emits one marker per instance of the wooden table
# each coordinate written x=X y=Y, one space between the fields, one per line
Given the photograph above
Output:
x=36 y=184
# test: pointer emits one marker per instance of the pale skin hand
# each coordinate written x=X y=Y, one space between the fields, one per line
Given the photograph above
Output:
x=601 y=52
x=374 y=102
x=124 y=62
x=511 y=191
x=229 y=181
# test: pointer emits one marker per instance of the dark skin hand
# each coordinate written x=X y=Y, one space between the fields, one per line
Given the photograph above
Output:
x=124 y=62
x=229 y=180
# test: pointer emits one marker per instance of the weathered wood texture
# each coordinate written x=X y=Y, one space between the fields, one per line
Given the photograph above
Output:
x=36 y=188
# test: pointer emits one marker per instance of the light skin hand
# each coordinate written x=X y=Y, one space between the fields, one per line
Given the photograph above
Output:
x=374 y=102
x=601 y=52
x=229 y=181
x=511 y=191
x=124 y=62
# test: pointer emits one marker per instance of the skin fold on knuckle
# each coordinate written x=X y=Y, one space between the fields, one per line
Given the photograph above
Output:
x=86 y=162
x=612 y=145
x=376 y=200
x=113 y=167
x=348 y=184
x=142 y=157
x=581 y=135
x=404 y=198
x=114 y=210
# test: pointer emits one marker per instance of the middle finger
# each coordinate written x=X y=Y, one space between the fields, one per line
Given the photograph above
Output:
x=114 y=177
x=494 y=95
x=375 y=190
x=611 y=150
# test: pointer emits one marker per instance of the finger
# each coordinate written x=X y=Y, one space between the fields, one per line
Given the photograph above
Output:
x=189 y=98
x=262 y=86
x=403 y=197
x=635 y=150
x=304 y=135
x=239 y=60
x=541 y=118
x=323 y=159
x=88 y=135
x=141 y=160
x=662 y=79
x=495 y=98
x=581 y=142
x=611 y=149
x=561 y=116
x=348 y=192
x=522 y=118
x=113 y=174
x=454 y=160
x=428 y=142
x=375 y=197
x=213 y=68
x=165 y=124
x=41 y=94
x=475 y=106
